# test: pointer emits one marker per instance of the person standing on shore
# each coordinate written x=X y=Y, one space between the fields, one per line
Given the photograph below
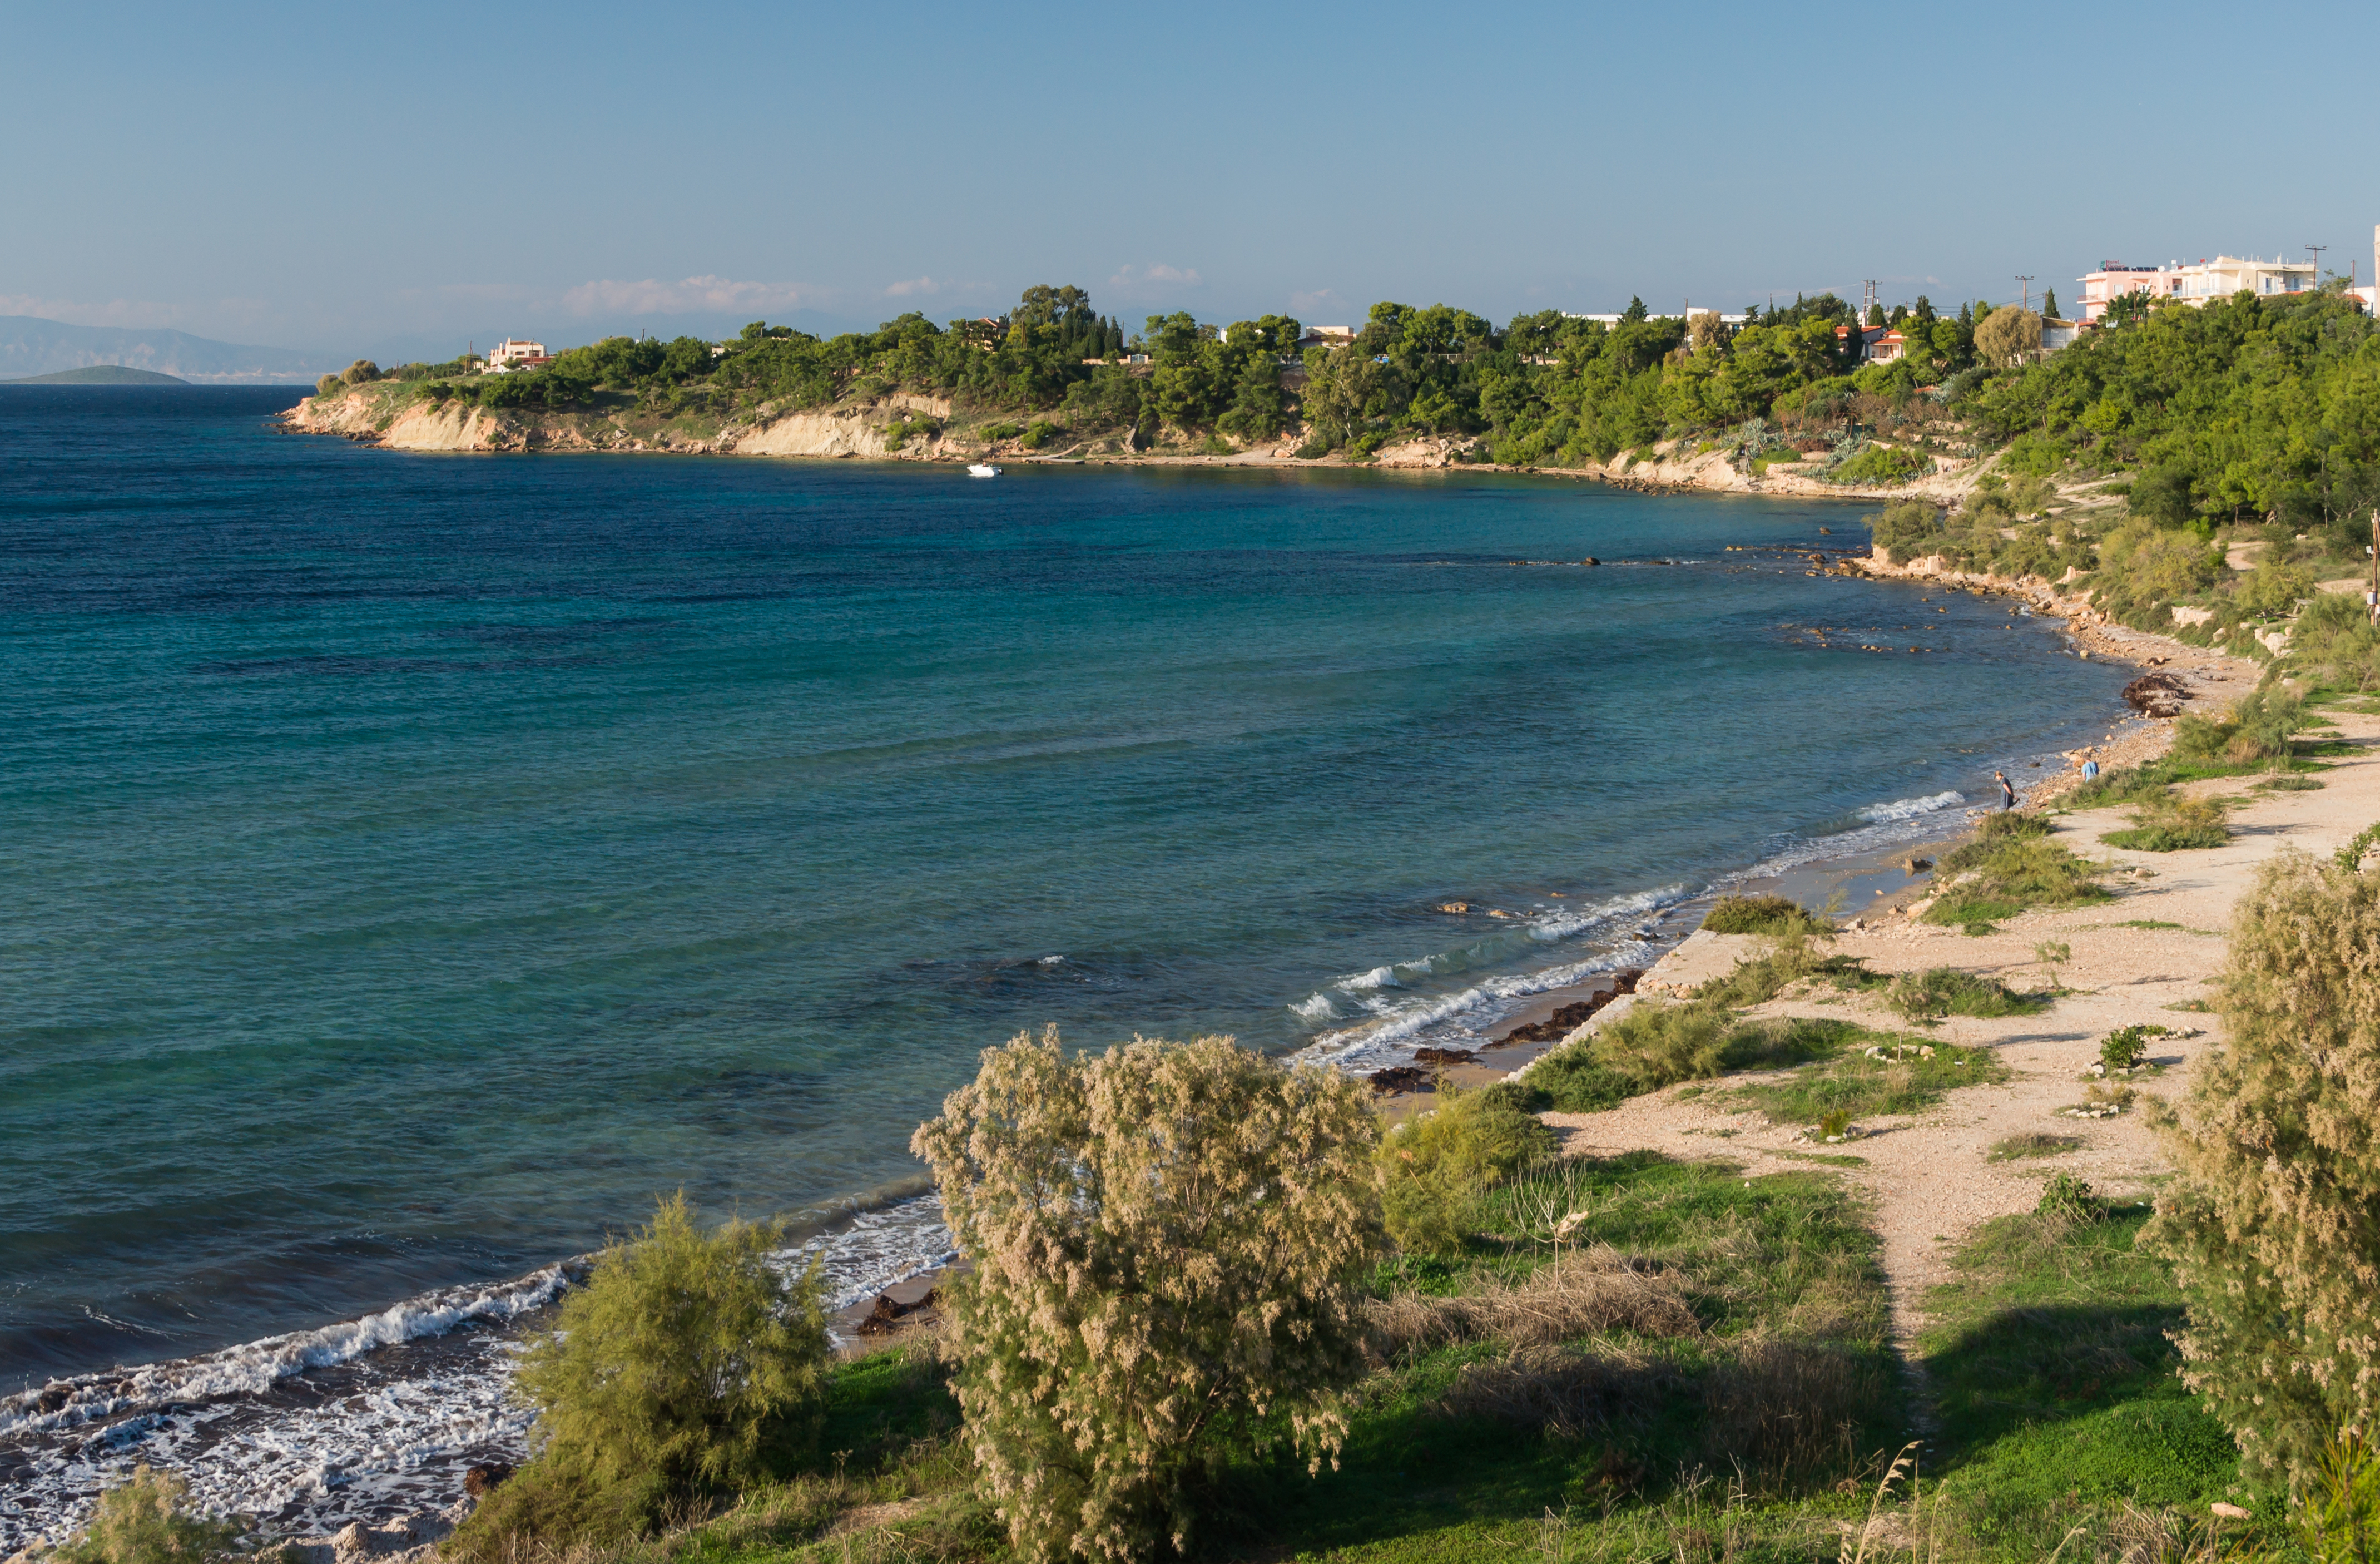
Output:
x=2007 y=791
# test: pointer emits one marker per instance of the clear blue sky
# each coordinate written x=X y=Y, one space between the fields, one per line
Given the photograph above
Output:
x=398 y=179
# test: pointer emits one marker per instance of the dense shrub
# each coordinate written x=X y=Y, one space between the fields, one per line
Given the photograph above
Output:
x=687 y=1362
x=146 y=1520
x=1167 y=1242
x=1882 y=466
x=363 y=371
x=1655 y=1046
x=328 y=385
x=1435 y=1168
x=1946 y=991
x=2333 y=643
x=1760 y=915
x=2273 y=1224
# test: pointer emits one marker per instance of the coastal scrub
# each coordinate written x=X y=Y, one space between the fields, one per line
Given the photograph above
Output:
x=2272 y=1226
x=1167 y=1242
x=688 y=1363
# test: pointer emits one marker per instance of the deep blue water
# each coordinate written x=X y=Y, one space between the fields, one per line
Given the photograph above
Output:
x=413 y=864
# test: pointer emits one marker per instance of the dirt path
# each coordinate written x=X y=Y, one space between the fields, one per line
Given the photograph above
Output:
x=1930 y=1177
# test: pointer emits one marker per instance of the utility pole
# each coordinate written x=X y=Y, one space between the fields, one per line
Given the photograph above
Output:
x=2026 y=283
x=2315 y=250
x=1867 y=301
x=2373 y=606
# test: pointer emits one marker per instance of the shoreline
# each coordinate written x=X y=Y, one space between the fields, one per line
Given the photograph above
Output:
x=855 y=431
x=471 y=1331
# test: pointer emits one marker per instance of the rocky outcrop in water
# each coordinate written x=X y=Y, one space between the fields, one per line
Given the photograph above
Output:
x=1569 y=1017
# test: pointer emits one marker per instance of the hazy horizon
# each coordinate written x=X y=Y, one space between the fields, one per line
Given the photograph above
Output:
x=314 y=181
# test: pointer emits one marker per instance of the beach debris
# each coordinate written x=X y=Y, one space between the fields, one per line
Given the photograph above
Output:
x=2095 y=1110
x=1400 y=1078
x=2156 y=695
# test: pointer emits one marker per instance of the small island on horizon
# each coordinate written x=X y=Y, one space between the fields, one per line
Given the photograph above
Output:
x=99 y=374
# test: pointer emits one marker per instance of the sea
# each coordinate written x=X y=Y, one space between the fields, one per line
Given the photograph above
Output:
x=416 y=864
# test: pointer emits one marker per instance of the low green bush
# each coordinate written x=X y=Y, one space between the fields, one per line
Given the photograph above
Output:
x=2123 y=1049
x=1761 y=915
x=1987 y=880
x=2068 y=1196
x=687 y=1364
x=2167 y=838
x=147 y=1519
x=1655 y=1046
x=1436 y=1167
x=1929 y=996
x=2171 y=824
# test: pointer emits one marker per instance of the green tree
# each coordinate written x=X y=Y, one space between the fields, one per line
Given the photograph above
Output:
x=2049 y=304
x=363 y=371
x=1635 y=313
x=1168 y=1242
x=2007 y=336
x=2273 y=1224
x=688 y=1361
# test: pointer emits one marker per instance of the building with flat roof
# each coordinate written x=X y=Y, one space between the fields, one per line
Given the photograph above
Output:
x=2193 y=283
x=512 y=353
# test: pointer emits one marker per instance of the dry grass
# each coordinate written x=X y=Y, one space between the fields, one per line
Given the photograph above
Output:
x=1593 y=1292
x=1561 y=1390
x=1790 y=1405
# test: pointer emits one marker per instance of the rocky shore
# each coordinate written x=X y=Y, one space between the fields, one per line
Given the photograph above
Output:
x=881 y=429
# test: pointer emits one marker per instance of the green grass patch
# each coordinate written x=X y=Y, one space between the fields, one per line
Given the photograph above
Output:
x=2167 y=838
x=2032 y=1144
x=2057 y=1385
x=2291 y=784
x=1912 y=1075
x=1776 y=915
x=1924 y=998
x=1671 y=1043
x=2007 y=869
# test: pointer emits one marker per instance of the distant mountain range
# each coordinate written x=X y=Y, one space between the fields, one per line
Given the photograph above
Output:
x=30 y=346
x=98 y=374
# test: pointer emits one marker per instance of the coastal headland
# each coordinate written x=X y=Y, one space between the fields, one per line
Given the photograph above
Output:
x=383 y=413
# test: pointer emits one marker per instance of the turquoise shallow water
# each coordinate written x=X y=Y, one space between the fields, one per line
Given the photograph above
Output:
x=416 y=862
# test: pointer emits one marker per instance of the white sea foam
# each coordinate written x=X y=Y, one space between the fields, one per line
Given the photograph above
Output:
x=396 y=1405
x=255 y=1367
x=1907 y=809
x=1315 y=1007
x=1378 y=977
x=1358 y=1046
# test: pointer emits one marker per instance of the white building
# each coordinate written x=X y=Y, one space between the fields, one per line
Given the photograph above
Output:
x=2194 y=283
x=511 y=353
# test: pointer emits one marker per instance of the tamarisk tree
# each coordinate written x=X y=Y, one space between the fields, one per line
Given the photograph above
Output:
x=2274 y=1225
x=1166 y=1240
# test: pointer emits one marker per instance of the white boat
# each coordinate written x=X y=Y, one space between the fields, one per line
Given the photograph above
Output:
x=982 y=469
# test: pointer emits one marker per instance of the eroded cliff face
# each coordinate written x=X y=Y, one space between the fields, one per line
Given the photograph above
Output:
x=365 y=414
